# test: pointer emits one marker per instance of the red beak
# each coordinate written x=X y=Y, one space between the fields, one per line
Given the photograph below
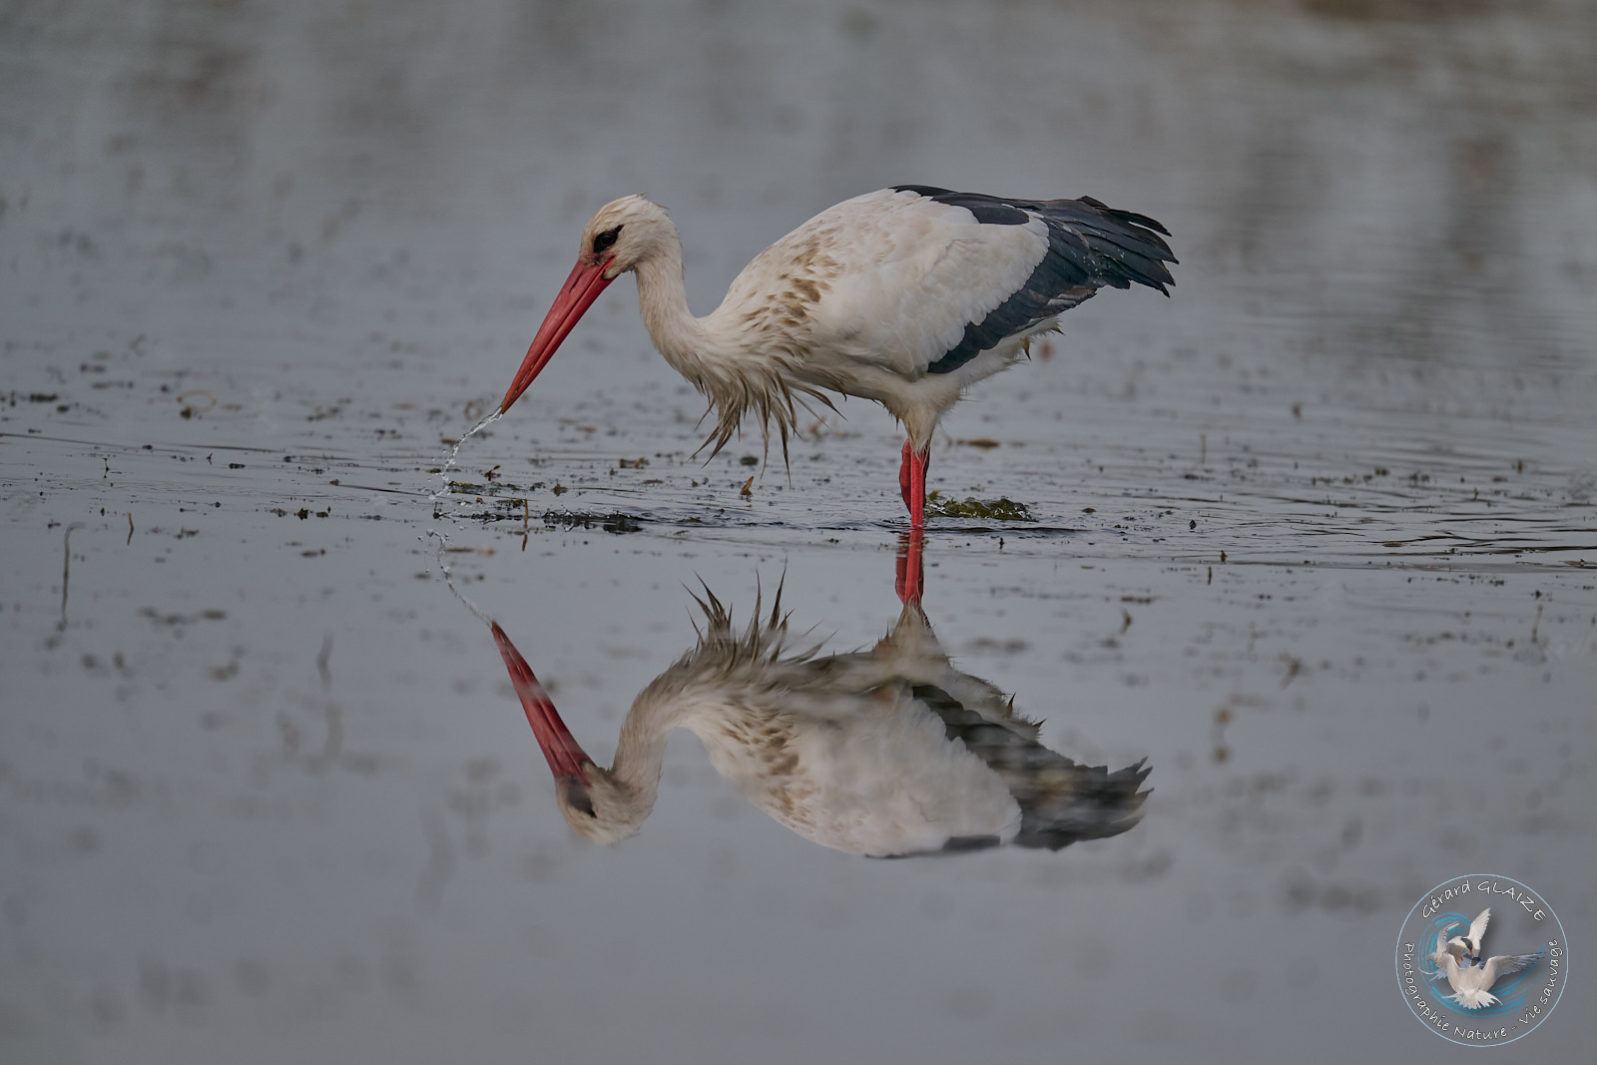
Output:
x=576 y=296
x=566 y=759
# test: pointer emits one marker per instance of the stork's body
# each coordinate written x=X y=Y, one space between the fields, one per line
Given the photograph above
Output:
x=884 y=752
x=906 y=296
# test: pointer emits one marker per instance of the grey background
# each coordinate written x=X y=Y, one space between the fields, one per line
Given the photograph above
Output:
x=265 y=793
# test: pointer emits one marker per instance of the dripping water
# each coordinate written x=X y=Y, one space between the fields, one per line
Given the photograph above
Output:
x=453 y=462
x=449 y=577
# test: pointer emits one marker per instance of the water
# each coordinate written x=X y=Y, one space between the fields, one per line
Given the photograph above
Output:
x=1314 y=537
x=453 y=461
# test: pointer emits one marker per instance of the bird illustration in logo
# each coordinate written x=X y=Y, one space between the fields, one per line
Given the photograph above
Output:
x=1470 y=944
x=1471 y=976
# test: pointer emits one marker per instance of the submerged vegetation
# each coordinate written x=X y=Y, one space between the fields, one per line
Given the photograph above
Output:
x=1003 y=509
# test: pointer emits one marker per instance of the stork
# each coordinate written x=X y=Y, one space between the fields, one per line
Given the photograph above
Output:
x=906 y=296
x=886 y=752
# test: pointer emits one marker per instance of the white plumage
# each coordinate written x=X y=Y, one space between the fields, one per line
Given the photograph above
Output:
x=905 y=296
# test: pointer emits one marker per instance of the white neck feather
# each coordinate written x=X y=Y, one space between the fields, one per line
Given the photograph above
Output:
x=737 y=373
x=683 y=339
x=640 y=754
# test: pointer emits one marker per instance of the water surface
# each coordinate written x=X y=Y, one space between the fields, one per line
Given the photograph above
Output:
x=1315 y=537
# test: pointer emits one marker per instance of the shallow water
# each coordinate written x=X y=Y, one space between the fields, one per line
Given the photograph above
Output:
x=1315 y=537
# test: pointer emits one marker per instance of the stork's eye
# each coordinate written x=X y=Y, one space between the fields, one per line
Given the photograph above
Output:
x=577 y=798
x=605 y=239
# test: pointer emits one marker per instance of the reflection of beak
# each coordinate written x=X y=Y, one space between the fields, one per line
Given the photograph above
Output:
x=567 y=760
x=587 y=280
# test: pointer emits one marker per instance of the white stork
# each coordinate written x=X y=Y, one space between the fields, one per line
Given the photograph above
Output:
x=906 y=295
x=886 y=752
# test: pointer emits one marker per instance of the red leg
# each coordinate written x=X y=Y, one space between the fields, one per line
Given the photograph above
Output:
x=917 y=487
x=912 y=483
x=904 y=476
x=910 y=570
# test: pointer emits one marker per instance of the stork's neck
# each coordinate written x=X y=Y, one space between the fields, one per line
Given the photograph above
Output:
x=737 y=370
x=685 y=341
x=691 y=694
x=640 y=755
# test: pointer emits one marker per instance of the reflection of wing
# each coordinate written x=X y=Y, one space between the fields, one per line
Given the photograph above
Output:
x=1477 y=928
x=1506 y=965
x=1060 y=801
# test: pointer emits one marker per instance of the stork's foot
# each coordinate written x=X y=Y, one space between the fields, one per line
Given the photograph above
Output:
x=910 y=572
x=912 y=482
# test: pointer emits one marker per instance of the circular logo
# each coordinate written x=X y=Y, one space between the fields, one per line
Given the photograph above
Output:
x=1482 y=960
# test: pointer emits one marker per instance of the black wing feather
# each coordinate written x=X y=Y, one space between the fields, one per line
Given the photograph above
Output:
x=1090 y=245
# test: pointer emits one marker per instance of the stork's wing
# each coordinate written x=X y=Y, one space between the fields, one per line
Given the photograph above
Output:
x=921 y=280
x=1477 y=927
x=1506 y=965
x=1090 y=245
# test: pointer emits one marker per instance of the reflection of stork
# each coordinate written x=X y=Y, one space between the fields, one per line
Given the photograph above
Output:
x=906 y=296
x=890 y=751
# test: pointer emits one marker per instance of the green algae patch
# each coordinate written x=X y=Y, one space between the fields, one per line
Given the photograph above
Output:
x=1004 y=509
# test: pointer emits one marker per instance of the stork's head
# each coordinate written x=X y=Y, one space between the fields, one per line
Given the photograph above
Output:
x=621 y=235
x=600 y=807
x=624 y=233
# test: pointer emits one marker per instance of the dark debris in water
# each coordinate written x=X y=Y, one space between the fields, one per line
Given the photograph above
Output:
x=613 y=522
x=517 y=510
x=1003 y=509
x=496 y=487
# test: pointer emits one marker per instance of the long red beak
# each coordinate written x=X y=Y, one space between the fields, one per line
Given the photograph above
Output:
x=576 y=296
x=566 y=758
